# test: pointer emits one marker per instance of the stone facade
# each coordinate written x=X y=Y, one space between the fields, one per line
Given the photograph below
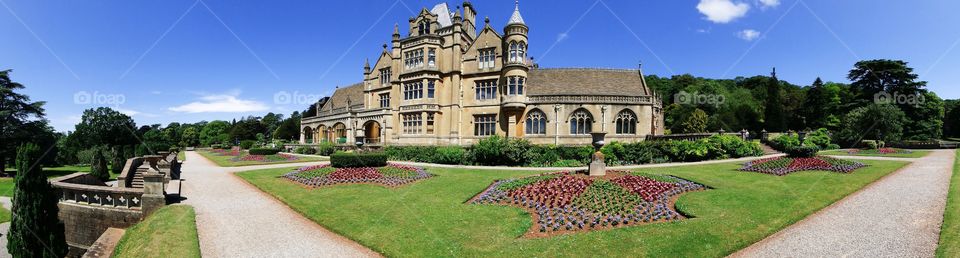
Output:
x=445 y=82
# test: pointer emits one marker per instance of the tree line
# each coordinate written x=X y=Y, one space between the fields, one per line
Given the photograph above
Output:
x=884 y=100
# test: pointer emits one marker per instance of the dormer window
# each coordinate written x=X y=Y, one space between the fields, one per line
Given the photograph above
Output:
x=423 y=28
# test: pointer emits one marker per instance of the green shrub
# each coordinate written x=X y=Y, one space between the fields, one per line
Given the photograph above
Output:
x=782 y=142
x=325 y=149
x=819 y=138
x=802 y=151
x=449 y=155
x=567 y=163
x=868 y=144
x=247 y=144
x=263 y=151
x=356 y=160
x=489 y=151
x=98 y=165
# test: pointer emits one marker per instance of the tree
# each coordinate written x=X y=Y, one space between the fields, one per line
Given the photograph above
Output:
x=875 y=121
x=215 y=132
x=870 y=77
x=820 y=106
x=773 y=113
x=951 y=120
x=105 y=126
x=696 y=122
x=190 y=137
x=35 y=229
x=118 y=160
x=246 y=129
x=926 y=118
x=98 y=166
x=17 y=113
x=288 y=130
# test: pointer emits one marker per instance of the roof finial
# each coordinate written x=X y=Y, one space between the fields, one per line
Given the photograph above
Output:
x=774 y=73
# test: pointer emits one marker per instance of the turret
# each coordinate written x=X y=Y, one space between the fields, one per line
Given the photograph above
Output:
x=366 y=67
x=515 y=62
x=469 y=19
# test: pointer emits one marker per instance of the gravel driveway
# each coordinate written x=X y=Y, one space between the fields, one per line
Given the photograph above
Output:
x=234 y=219
x=897 y=216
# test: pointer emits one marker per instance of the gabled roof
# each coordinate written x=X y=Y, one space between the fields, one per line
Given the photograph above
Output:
x=586 y=81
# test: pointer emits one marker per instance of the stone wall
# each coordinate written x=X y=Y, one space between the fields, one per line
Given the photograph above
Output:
x=85 y=223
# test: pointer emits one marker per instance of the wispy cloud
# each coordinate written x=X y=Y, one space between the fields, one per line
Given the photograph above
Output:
x=748 y=34
x=723 y=11
x=562 y=36
x=769 y=3
x=221 y=103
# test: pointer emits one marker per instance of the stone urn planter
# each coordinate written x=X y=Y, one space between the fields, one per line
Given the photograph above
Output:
x=597 y=166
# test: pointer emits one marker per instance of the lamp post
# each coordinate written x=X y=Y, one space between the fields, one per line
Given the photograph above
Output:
x=803 y=136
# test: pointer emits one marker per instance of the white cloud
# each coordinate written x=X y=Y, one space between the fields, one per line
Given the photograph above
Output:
x=748 y=34
x=221 y=103
x=562 y=36
x=723 y=11
x=129 y=112
x=769 y=3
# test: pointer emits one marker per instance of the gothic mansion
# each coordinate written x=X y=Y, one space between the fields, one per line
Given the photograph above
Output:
x=447 y=83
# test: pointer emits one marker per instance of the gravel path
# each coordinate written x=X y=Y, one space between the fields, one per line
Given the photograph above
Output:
x=234 y=219
x=897 y=216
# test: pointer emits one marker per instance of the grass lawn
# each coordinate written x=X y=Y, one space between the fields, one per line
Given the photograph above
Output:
x=950 y=231
x=6 y=183
x=5 y=215
x=913 y=154
x=226 y=161
x=170 y=232
x=429 y=218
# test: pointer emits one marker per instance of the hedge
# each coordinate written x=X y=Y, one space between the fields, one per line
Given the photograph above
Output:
x=357 y=160
x=802 y=151
x=263 y=151
x=498 y=151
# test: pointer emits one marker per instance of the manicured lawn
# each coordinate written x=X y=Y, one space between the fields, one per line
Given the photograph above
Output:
x=170 y=232
x=429 y=218
x=913 y=154
x=950 y=231
x=227 y=161
x=6 y=183
x=5 y=215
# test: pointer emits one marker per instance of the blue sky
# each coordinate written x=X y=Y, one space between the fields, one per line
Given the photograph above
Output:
x=190 y=60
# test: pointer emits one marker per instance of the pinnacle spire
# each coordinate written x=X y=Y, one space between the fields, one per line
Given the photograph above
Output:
x=516 y=18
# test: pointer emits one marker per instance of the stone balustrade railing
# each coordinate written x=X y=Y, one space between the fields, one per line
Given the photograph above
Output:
x=84 y=188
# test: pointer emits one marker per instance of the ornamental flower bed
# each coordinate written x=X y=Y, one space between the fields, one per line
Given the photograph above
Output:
x=785 y=165
x=222 y=152
x=565 y=202
x=392 y=175
x=881 y=151
x=267 y=158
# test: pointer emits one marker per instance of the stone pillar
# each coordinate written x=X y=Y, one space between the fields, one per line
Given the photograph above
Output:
x=511 y=126
x=153 y=196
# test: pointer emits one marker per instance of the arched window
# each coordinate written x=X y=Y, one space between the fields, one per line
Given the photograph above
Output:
x=626 y=122
x=581 y=122
x=340 y=133
x=513 y=51
x=521 y=52
x=536 y=122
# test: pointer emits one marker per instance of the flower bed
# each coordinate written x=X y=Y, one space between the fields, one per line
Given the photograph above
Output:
x=225 y=152
x=785 y=165
x=392 y=175
x=566 y=202
x=267 y=158
x=881 y=151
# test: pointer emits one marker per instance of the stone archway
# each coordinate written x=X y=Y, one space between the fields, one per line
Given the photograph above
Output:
x=339 y=133
x=308 y=135
x=371 y=132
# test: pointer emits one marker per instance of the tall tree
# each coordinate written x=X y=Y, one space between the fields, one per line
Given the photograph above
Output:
x=773 y=113
x=870 y=77
x=820 y=107
x=696 y=122
x=215 y=132
x=875 y=122
x=17 y=112
x=35 y=229
x=105 y=126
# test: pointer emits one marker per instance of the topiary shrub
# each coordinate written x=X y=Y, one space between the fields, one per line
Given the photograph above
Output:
x=358 y=160
x=35 y=230
x=263 y=151
x=802 y=151
x=98 y=166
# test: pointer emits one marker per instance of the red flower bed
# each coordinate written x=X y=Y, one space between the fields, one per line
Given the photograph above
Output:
x=564 y=202
x=391 y=175
x=785 y=165
x=267 y=158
